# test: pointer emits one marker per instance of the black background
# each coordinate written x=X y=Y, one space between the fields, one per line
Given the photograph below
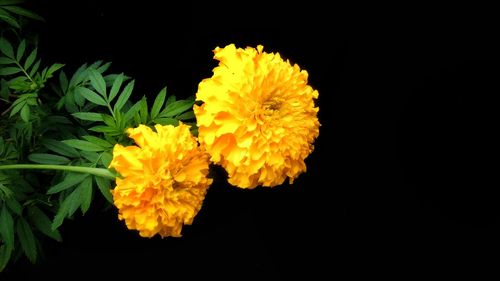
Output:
x=400 y=183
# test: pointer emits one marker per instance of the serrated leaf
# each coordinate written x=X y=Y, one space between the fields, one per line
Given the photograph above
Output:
x=4 y=60
x=67 y=208
x=53 y=68
x=10 y=20
x=63 y=81
x=86 y=194
x=143 y=111
x=91 y=96
x=25 y=113
x=96 y=64
x=97 y=81
x=93 y=157
x=177 y=108
x=186 y=115
x=45 y=158
x=17 y=107
x=26 y=238
x=104 y=129
x=104 y=187
x=40 y=220
x=98 y=141
x=101 y=69
x=124 y=96
x=60 y=147
x=133 y=110
x=6 y=48
x=170 y=100
x=4 y=71
x=158 y=103
x=116 y=87
x=106 y=158
x=109 y=120
x=88 y=116
x=10 y=2
x=35 y=67
x=20 y=50
x=7 y=227
x=79 y=75
x=70 y=180
x=83 y=145
x=14 y=205
x=5 y=253
x=31 y=58
x=23 y=12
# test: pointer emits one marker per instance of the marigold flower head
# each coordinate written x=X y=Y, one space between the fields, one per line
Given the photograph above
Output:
x=258 y=119
x=164 y=179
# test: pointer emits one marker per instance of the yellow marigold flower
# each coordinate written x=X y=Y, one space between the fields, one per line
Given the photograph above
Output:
x=164 y=179
x=258 y=119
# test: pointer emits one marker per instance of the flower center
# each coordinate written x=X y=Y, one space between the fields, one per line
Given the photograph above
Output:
x=271 y=105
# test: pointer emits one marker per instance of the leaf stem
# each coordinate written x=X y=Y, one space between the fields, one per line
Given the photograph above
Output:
x=24 y=71
x=100 y=172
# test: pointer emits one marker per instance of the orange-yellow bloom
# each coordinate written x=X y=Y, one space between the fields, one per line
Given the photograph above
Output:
x=258 y=119
x=164 y=179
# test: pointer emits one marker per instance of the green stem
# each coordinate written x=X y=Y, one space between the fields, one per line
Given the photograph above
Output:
x=24 y=71
x=100 y=172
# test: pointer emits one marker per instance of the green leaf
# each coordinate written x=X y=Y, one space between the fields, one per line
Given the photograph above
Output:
x=35 y=68
x=166 y=121
x=10 y=2
x=26 y=238
x=157 y=105
x=88 y=116
x=4 y=60
x=104 y=186
x=5 y=253
x=63 y=81
x=23 y=12
x=103 y=129
x=83 y=145
x=31 y=58
x=116 y=87
x=4 y=71
x=93 y=157
x=124 y=96
x=97 y=82
x=60 y=147
x=20 y=50
x=70 y=180
x=45 y=158
x=98 y=141
x=7 y=227
x=170 y=100
x=103 y=67
x=143 y=111
x=86 y=194
x=134 y=109
x=25 y=113
x=186 y=115
x=67 y=208
x=53 y=68
x=177 y=108
x=42 y=223
x=10 y=20
x=14 y=205
x=6 y=48
x=91 y=96
x=106 y=158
